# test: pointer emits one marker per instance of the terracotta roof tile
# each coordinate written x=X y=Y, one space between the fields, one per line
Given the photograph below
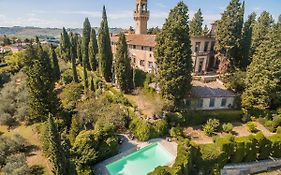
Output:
x=140 y=40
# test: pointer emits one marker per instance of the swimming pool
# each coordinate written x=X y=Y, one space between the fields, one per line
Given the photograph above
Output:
x=142 y=161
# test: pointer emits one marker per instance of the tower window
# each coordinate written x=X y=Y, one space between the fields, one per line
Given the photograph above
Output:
x=134 y=46
x=150 y=49
x=142 y=48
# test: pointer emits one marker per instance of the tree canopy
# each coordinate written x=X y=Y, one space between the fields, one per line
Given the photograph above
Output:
x=123 y=69
x=173 y=55
x=196 y=24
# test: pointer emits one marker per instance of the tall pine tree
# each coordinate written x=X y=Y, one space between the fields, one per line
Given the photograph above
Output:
x=85 y=43
x=55 y=64
x=105 y=52
x=260 y=30
x=246 y=41
x=228 y=33
x=73 y=55
x=196 y=24
x=173 y=55
x=57 y=154
x=263 y=80
x=41 y=95
x=93 y=50
x=123 y=69
x=65 y=45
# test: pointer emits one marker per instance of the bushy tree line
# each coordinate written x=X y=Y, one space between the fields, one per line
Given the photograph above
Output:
x=211 y=158
x=12 y=157
x=13 y=101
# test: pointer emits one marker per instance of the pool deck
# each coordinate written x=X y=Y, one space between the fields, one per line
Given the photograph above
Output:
x=129 y=146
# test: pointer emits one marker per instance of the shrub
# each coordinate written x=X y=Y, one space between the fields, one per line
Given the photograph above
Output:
x=70 y=95
x=263 y=146
x=139 y=78
x=227 y=127
x=251 y=126
x=16 y=164
x=208 y=130
x=278 y=130
x=211 y=126
x=276 y=121
x=67 y=76
x=176 y=132
x=269 y=125
x=200 y=117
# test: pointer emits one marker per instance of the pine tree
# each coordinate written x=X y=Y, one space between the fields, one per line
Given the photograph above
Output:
x=85 y=43
x=55 y=64
x=173 y=55
x=73 y=55
x=41 y=96
x=123 y=69
x=65 y=45
x=93 y=51
x=57 y=154
x=263 y=80
x=105 y=53
x=247 y=41
x=196 y=24
x=74 y=130
x=228 y=33
x=260 y=30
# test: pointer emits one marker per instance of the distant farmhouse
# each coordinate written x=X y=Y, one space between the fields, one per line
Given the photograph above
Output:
x=204 y=95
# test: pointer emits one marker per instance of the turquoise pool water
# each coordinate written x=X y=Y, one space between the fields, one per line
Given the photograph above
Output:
x=142 y=161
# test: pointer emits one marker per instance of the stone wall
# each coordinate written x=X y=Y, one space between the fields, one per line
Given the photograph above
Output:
x=250 y=168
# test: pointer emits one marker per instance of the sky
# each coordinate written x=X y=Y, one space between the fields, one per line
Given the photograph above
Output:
x=71 y=13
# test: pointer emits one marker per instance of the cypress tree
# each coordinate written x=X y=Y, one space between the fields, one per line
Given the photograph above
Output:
x=57 y=154
x=196 y=24
x=247 y=41
x=41 y=96
x=124 y=73
x=79 y=51
x=93 y=50
x=228 y=33
x=85 y=76
x=260 y=30
x=105 y=52
x=173 y=55
x=55 y=64
x=73 y=55
x=65 y=45
x=263 y=80
x=74 y=130
x=85 y=43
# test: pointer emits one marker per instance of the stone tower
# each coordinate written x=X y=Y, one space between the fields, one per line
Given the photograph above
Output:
x=141 y=16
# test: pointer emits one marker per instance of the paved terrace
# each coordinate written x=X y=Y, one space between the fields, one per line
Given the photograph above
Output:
x=129 y=146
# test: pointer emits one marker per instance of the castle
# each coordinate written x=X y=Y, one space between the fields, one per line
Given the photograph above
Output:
x=141 y=45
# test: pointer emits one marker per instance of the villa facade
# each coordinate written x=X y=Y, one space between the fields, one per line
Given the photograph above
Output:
x=205 y=95
x=141 y=45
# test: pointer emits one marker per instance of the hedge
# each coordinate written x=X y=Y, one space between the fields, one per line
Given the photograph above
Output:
x=201 y=117
x=211 y=158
